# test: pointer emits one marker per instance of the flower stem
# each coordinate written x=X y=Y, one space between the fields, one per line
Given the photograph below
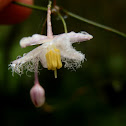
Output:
x=77 y=17
x=63 y=21
x=95 y=23
x=49 y=25
x=36 y=81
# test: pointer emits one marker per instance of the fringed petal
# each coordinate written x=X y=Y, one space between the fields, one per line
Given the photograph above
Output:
x=69 y=55
x=29 y=61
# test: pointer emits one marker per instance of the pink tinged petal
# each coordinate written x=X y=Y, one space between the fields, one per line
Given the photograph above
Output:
x=69 y=55
x=29 y=56
x=29 y=61
x=76 y=37
x=37 y=94
x=34 y=40
x=79 y=37
x=65 y=46
x=73 y=54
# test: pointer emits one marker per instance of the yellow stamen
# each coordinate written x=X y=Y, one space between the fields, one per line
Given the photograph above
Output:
x=53 y=59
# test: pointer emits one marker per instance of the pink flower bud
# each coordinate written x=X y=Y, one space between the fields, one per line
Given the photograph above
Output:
x=37 y=94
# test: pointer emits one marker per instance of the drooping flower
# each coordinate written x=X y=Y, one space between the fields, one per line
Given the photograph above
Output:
x=53 y=50
x=51 y=53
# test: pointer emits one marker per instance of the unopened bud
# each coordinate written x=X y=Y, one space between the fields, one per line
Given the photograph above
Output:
x=37 y=94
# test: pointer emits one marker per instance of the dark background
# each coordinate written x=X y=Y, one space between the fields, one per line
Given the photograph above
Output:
x=94 y=95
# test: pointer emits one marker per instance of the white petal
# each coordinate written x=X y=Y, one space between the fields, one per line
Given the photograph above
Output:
x=34 y=40
x=29 y=61
x=77 y=37
x=69 y=55
x=65 y=46
x=31 y=55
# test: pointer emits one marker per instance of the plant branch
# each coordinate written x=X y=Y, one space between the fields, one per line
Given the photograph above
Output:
x=77 y=17
x=95 y=23
x=30 y=6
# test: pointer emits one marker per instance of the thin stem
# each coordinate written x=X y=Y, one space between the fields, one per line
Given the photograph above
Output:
x=77 y=17
x=49 y=26
x=95 y=23
x=63 y=21
x=36 y=81
x=30 y=6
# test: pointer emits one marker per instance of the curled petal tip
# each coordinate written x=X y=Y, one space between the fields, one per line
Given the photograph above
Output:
x=90 y=37
x=79 y=37
x=23 y=42
x=86 y=35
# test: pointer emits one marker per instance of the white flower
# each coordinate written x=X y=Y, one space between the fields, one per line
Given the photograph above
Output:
x=51 y=52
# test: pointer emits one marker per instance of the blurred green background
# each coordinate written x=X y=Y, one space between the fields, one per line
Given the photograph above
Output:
x=94 y=95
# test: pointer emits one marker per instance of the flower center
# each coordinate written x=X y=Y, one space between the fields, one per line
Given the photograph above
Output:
x=53 y=59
